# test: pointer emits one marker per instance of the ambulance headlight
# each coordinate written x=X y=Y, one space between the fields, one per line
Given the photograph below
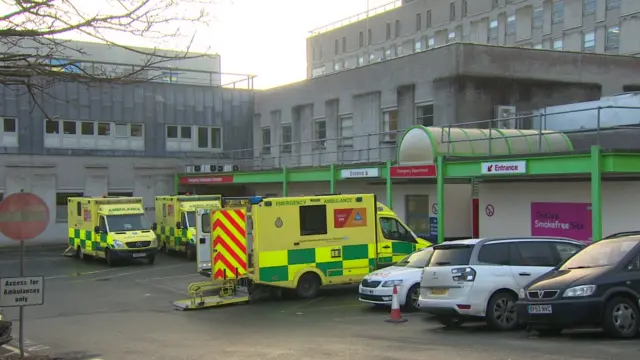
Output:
x=118 y=244
x=154 y=242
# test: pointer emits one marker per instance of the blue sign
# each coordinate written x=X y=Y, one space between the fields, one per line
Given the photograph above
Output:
x=433 y=226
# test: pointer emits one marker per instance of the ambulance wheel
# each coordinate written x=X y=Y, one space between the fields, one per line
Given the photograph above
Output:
x=109 y=257
x=308 y=286
x=80 y=254
x=163 y=247
x=151 y=259
x=191 y=253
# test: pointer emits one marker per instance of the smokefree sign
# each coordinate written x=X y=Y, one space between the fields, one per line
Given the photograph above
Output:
x=571 y=220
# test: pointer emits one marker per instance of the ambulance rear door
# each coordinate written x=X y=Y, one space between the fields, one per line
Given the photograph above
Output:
x=203 y=240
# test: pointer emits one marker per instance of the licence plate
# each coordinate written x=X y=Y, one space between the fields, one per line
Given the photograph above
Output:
x=367 y=292
x=438 y=291
x=139 y=255
x=540 y=309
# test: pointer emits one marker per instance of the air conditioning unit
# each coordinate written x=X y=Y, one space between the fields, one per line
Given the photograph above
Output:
x=506 y=116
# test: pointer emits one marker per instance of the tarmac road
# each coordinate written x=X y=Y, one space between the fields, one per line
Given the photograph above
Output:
x=95 y=312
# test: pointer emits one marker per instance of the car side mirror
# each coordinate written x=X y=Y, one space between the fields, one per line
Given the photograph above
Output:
x=96 y=229
x=178 y=225
x=154 y=227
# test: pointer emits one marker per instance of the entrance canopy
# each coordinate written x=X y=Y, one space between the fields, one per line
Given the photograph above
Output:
x=422 y=145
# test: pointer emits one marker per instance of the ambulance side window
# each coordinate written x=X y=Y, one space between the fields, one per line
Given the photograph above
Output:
x=164 y=210
x=79 y=208
x=313 y=220
x=205 y=220
x=392 y=229
x=103 y=224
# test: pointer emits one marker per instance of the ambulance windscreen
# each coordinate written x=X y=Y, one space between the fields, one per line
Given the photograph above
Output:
x=127 y=222
x=190 y=219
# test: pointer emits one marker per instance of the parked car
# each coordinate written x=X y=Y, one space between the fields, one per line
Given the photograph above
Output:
x=377 y=287
x=600 y=286
x=479 y=279
x=5 y=329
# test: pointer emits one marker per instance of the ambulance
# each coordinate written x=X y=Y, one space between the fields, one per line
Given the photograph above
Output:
x=175 y=221
x=113 y=228
x=298 y=243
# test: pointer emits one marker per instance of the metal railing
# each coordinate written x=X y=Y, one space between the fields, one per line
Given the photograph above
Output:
x=357 y=17
x=607 y=126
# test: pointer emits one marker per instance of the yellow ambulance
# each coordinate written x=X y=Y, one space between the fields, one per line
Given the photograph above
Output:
x=112 y=228
x=175 y=221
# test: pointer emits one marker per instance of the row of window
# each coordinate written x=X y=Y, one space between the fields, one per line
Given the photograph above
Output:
x=389 y=127
x=198 y=138
x=557 y=16
x=92 y=128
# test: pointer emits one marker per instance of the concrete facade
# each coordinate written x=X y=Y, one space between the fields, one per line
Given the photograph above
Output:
x=597 y=26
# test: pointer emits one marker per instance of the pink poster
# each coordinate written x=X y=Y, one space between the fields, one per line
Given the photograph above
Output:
x=570 y=220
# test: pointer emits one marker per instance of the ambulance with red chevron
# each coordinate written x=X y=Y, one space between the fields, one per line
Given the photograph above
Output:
x=300 y=244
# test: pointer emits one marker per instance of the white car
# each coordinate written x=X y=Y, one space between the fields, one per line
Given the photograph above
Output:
x=377 y=287
x=482 y=278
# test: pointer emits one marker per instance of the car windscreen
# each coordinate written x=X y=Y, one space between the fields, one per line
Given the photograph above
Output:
x=127 y=222
x=602 y=253
x=418 y=259
x=448 y=255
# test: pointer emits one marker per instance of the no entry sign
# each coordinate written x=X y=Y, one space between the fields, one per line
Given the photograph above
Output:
x=23 y=216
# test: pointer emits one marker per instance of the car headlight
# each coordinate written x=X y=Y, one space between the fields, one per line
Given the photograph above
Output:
x=578 y=291
x=118 y=244
x=522 y=294
x=392 y=283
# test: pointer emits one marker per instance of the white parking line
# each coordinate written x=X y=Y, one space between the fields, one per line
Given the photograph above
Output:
x=131 y=273
x=79 y=274
x=14 y=350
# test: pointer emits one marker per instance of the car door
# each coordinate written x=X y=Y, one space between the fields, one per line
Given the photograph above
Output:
x=531 y=259
x=634 y=275
x=394 y=241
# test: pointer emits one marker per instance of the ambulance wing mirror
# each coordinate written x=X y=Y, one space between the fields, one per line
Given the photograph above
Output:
x=154 y=226
x=178 y=225
x=96 y=229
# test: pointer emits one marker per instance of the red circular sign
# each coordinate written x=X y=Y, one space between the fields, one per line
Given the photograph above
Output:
x=23 y=216
x=489 y=210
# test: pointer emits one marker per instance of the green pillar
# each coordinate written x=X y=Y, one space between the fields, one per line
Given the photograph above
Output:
x=596 y=193
x=285 y=182
x=389 y=186
x=440 y=188
x=176 y=184
x=332 y=179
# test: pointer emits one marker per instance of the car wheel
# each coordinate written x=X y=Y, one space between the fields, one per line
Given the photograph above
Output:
x=151 y=259
x=449 y=322
x=411 y=300
x=308 y=286
x=620 y=319
x=501 y=312
x=108 y=255
x=546 y=332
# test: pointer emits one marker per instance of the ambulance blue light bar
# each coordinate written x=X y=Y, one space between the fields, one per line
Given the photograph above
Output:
x=255 y=200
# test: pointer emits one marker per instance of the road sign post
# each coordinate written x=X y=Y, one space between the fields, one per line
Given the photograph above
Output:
x=23 y=216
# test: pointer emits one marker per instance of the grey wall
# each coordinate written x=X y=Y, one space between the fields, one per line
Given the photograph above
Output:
x=153 y=104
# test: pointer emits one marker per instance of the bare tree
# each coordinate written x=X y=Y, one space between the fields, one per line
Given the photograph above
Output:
x=34 y=53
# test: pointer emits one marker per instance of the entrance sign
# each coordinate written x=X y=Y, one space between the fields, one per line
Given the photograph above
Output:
x=359 y=173
x=414 y=172
x=571 y=220
x=21 y=291
x=504 y=167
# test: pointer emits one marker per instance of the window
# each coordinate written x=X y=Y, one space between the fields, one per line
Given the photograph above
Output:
x=565 y=250
x=511 y=25
x=451 y=255
x=266 y=140
x=589 y=41
x=361 y=39
x=121 y=130
x=392 y=229
x=588 y=7
x=431 y=42
x=336 y=47
x=494 y=4
x=418 y=46
x=69 y=127
x=389 y=125
x=399 y=50
x=424 y=115
x=87 y=128
x=452 y=11
x=600 y=254
x=494 y=254
x=635 y=264
x=418 y=21
x=464 y=8
x=344 y=44
x=369 y=36
x=345 y=130
x=428 y=19
x=319 y=133
x=51 y=126
x=136 y=130
x=313 y=220
x=613 y=4
x=120 y=193
x=172 y=132
x=538 y=13
x=205 y=223
x=387 y=54
x=286 y=138
x=493 y=30
x=558 y=44
x=78 y=208
x=216 y=137
x=534 y=253
x=612 y=40
x=360 y=60
x=185 y=132
x=537 y=46
x=398 y=28
x=558 y=12
x=451 y=37
x=104 y=129
x=388 y=31
x=203 y=138
x=417 y=260
x=417 y=214
x=9 y=125
x=61 y=205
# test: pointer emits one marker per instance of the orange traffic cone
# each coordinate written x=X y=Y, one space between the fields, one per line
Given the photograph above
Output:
x=396 y=315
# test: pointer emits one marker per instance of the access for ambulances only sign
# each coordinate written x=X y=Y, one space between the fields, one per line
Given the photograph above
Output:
x=21 y=291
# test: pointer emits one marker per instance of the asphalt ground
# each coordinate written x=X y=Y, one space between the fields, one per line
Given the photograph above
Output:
x=95 y=312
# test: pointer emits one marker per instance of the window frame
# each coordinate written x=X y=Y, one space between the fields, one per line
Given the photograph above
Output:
x=286 y=146
x=3 y=129
x=555 y=41
x=589 y=7
x=167 y=133
x=428 y=22
x=345 y=141
x=511 y=26
x=451 y=39
x=537 y=17
x=492 y=34
x=419 y=22
x=419 y=117
x=266 y=147
x=400 y=228
x=389 y=135
x=318 y=212
x=420 y=215
x=507 y=244
x=319 y=133
x=612 y=4
x=609 y=37
x=592 y=47
x=452 y=11
x=557 y=12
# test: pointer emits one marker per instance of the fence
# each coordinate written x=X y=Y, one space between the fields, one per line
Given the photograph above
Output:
x=355 y=18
